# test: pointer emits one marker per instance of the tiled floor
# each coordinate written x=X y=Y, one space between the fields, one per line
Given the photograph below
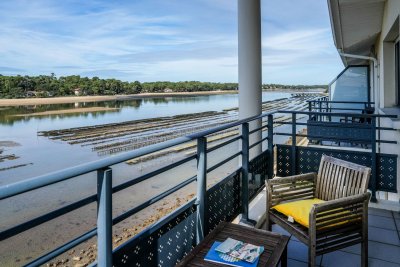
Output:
x=384 y=245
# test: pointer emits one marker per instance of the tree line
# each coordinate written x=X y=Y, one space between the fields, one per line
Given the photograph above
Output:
x=52 y=86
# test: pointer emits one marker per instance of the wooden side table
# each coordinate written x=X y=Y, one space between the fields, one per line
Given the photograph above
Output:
x=275 y=245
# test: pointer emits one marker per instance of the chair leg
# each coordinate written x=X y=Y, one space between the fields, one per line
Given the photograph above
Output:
x=364 y=243
x=311 y=256
x=364 y=253
x=268 y=225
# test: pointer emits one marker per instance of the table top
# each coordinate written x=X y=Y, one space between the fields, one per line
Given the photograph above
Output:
x=273 y=243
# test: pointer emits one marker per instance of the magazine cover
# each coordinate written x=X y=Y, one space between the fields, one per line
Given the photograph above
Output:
x=215 y=256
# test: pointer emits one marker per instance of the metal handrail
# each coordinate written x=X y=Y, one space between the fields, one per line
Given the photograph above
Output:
x=340 y=102
x=104 y=172
x=334 y=114
x=105 y=189
x=65 y=174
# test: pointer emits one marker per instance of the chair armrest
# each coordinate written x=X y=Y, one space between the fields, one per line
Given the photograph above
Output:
x=339 y=211
x=290 y=188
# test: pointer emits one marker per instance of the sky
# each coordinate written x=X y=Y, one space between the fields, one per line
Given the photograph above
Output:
x=158 y=40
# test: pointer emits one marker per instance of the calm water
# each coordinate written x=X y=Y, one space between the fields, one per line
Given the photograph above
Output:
x=44 y=155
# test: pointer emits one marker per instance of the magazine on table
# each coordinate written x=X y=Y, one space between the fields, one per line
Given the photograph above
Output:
x=234 y=253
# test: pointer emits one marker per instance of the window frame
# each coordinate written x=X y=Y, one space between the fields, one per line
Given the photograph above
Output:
x=397 y=69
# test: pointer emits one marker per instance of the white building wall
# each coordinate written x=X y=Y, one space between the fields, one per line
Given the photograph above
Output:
x=386 y=97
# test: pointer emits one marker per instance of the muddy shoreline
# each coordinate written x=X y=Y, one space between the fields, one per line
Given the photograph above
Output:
x=79 y=99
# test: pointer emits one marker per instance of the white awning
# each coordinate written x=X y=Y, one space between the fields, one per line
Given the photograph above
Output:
x=356 y=25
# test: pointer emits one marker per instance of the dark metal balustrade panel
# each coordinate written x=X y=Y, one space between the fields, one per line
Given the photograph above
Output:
x=339 y=131
x=308 y=159
x=258 y=168
x=163 y=247
x=223 y=201
x=284 y=161
x=387 y=172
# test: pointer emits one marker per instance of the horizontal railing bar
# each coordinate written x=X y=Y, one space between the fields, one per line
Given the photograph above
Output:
x=153 y=200
x=344 y=124
x=337 y=114
x=386 y=142
x=46 y=217
x=259 y=128
x=224 y=143
x=224 y=161
x=338 y=139
x=152 y=174
x=360 y=125
x=58 y=176
x=338 y=102
x=59 y=212
x=289 y=122
x=330 y=108
x=258 y=142
x=348 y=139
x=60 y=250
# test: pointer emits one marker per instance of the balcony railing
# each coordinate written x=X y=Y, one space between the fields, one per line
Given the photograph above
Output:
x=293 y=159
x=168 y=240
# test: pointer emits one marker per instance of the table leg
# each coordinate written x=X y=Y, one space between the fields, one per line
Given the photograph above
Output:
x=284 y=257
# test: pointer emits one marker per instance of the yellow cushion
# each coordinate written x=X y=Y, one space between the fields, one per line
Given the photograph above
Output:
x=299 y=210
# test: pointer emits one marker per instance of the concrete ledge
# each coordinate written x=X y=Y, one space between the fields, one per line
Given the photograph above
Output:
x=386 y=205
x=257 y=209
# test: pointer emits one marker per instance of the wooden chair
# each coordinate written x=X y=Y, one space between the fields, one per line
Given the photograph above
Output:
x=340 y=221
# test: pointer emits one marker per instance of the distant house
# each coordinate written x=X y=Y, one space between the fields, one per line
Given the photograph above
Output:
x=77 y=91
x=30 y=94
x=168 y=90
x=38 y=94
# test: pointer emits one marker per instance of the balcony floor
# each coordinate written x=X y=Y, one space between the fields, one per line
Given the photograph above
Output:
x=384 y=244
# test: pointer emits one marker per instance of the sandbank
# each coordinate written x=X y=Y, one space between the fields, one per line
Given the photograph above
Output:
x=77 y=99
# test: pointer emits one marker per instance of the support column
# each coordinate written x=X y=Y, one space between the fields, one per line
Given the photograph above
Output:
x=250 y=80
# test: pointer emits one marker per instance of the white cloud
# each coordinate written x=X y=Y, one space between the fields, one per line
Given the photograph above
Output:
x=154 y=39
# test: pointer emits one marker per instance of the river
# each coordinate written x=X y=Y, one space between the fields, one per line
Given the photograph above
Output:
x=37 y=155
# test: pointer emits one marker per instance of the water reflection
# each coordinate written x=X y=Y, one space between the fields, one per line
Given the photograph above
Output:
x=10 y=115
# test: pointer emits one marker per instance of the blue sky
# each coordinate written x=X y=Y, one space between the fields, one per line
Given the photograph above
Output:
x=176 y=40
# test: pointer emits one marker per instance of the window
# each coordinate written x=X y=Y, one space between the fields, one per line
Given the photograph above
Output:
x=397 y=70
x=352 y=84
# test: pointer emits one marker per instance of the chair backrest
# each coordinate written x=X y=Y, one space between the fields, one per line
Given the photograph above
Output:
x=338 y=178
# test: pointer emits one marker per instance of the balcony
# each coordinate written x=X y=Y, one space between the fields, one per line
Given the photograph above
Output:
x=230 y=173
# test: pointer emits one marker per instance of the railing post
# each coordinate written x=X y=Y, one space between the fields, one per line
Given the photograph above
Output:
x=320 y=110
x=373 y=159
x=270 y=146
x=245 y=171
x=309 y=106
x=104 y=217
x=293 y=155
x=245 y=175
x=201 y=187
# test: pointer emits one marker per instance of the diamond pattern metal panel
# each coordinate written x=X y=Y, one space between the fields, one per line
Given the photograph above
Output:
x=308 y=159
x=387 y=173
x=162 y=247
x=283 y=164
x=223 y=201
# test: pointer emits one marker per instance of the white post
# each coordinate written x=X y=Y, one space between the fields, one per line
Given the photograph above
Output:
x=250 y=80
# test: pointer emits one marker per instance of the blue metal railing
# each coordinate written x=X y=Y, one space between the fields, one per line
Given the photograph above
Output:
x=354 y=133
x=103 y=197
x=105 y=188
